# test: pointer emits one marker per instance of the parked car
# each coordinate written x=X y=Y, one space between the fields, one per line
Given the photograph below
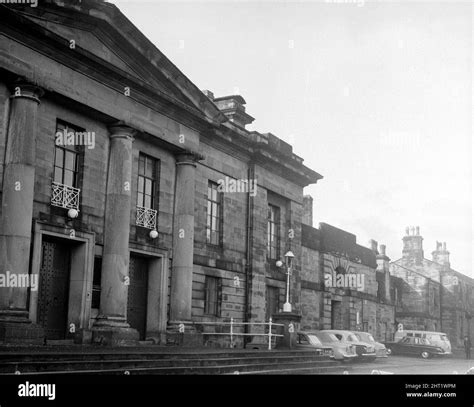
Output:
x=365 y=351
x=435 y=338
x=380 y=349
x=308 y=340
x=414 y=346
x=342 y=350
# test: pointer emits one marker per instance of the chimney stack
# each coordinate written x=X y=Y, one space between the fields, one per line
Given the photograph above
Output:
x=373 y=244
x=233 y=107
x=441 y=255
x=383 y=266
x=413 y=245
x=209 y=94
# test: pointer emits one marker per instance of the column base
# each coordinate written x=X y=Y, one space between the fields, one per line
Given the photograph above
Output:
x=114 y=331
x=15 y=328
x=288 y=341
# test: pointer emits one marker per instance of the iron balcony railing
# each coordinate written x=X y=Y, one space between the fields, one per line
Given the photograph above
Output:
x=146 y=217
x=65 y=196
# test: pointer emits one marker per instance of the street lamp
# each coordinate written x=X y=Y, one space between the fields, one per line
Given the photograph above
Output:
x=289 y=260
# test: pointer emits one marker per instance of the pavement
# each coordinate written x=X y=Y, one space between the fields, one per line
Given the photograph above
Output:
x=413 y=365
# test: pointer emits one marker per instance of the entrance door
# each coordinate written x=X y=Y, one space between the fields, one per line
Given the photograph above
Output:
x=54 y=288
x=336 y=315
x=138 y=294
x=272 y=301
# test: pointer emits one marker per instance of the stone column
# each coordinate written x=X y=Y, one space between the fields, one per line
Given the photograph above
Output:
x=183 y=238
x=111 y=327
x=17 y=212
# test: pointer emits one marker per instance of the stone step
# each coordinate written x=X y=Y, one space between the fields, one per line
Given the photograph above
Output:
x=101 y=354
x=313 y=367
x=301 y=370
x=67 y=364
x=156 y=360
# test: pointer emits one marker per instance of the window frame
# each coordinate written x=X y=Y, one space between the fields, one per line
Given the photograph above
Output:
x=154 y=178
x=216 y=309
x=78 y=155
x=218 y=203
x=95 y=290
x=276 y=223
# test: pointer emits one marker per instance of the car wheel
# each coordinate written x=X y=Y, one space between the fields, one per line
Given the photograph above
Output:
x=425 y=355
x=389 y=351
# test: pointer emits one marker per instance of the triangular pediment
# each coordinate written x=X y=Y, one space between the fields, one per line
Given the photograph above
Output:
x=105 y=33
x=87 y=40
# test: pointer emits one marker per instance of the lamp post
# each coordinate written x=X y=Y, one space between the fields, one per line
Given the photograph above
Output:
x=289 y=260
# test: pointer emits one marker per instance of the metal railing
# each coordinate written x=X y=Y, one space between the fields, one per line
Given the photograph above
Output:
x=232 y=324
x=65 y=196
x=146 y=217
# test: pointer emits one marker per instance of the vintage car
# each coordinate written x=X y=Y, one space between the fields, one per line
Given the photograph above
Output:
x=342 y=350
x=380 y=349
x=439 y=339
x=414 y=346
x=365 y=351
x=308 y=340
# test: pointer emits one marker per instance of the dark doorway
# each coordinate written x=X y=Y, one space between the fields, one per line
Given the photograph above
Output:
x=336 y=315
x=54 y=288
x=138 y=294
x=272 y=301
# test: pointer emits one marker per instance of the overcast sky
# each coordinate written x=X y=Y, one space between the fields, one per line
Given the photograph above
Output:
x=376 y=96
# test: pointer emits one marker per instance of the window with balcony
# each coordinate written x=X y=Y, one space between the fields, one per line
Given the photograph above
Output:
x=273 y=232
x=67 y=170
x=214 y=215
x=148 y=187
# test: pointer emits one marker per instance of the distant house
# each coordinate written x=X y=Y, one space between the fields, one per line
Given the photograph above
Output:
x=431 y=295
x=344 y=285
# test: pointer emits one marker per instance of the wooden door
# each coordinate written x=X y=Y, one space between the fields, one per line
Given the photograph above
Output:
x=54 y=289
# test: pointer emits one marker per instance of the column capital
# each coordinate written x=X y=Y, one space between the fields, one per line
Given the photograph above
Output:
x=188 y=157
x=24 y=89
x=121 y=130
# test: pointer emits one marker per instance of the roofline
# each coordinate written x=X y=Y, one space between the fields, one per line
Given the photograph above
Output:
x=434 y=262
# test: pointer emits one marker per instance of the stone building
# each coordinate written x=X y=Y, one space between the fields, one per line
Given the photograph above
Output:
x=344 y=285
x=138 y=201
x=430 y=295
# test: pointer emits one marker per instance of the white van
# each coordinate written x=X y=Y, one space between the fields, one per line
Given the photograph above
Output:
x=434 y=338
